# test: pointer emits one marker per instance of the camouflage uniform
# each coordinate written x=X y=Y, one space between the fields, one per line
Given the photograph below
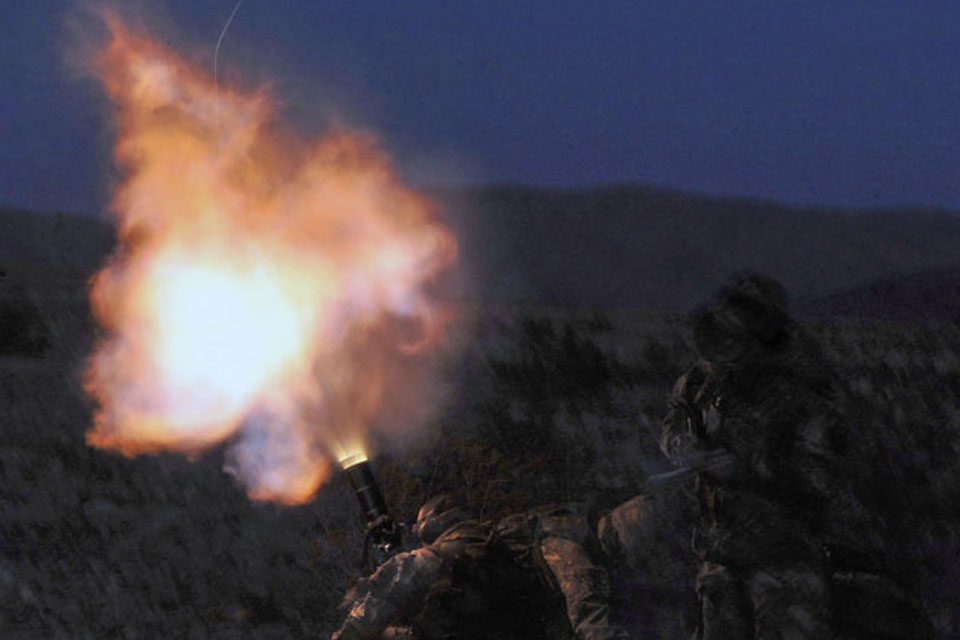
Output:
x=511 y=579
x=652 y=566
x=785 y=549
x=762 y=395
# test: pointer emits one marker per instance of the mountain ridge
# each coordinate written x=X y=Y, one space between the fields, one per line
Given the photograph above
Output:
x=667 y=250
x=608 y=246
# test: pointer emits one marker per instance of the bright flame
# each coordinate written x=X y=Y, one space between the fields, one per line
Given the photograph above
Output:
x=350 y=453
x=254 y=278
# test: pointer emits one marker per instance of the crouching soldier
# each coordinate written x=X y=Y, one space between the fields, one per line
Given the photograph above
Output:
x=529 y=576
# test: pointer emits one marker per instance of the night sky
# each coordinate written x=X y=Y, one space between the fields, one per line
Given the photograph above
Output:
x=840 y=102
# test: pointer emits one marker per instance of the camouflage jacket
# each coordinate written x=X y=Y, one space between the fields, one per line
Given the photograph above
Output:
x=780 y=499
x=513 y=579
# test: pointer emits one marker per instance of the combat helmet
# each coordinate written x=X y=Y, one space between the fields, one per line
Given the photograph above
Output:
x=438 y=514
x=745 y=318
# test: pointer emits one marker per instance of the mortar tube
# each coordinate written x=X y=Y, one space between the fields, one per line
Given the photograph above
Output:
x=365 y=486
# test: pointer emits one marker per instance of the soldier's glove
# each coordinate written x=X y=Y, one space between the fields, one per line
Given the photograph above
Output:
x=382 y=540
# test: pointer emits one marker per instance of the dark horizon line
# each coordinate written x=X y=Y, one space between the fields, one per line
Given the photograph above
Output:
x=600 y=187
x=698 y=194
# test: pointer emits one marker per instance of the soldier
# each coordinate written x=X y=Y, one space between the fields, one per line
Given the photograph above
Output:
x=785 y=549
x=761 y=393
x=515 y=578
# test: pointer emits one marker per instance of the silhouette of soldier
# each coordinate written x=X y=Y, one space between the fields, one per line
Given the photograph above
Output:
x=761 y=393
x=529 y=576
x=785 y=548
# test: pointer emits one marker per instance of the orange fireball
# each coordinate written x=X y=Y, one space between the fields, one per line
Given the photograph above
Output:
x=251 y=276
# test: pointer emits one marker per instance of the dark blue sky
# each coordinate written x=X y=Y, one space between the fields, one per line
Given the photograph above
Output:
x=838 y=102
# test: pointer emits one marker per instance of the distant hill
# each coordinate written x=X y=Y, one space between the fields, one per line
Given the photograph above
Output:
x=640 y=247
x=53 y=240
x=931 y=296
x=627 y=247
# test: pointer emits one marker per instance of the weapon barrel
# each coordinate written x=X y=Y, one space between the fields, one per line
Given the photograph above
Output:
x=706 y=461
x=368 y=491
